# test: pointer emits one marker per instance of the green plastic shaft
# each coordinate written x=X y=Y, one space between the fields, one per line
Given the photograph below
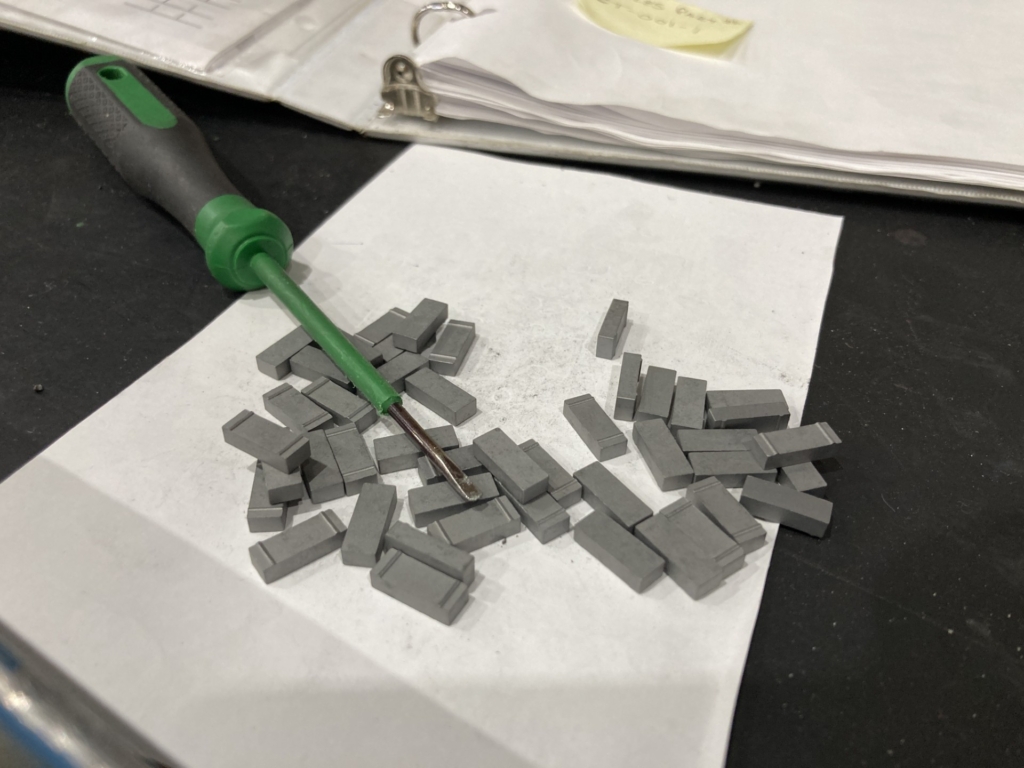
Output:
x=365 y=377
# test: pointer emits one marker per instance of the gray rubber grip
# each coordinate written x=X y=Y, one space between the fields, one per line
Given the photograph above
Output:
x=172 y=166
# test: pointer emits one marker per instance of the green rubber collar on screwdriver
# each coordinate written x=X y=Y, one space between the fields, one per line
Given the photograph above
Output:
x=231 y=231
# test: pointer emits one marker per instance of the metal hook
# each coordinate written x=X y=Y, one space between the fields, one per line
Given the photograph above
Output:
x=434 y=8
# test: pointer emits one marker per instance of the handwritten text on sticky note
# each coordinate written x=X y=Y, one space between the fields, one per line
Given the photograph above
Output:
x=664 y=23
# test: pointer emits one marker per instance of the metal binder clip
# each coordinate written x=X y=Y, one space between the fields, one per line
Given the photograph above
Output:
x=403 y=92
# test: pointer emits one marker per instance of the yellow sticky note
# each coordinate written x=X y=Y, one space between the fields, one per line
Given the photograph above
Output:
x=664 y=23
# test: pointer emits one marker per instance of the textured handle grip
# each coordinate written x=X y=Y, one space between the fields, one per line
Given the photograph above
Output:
x=163 y=157
x=158 y=151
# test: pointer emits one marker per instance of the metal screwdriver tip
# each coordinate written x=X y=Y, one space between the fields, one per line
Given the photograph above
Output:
x=466 y=489
x=442 y=463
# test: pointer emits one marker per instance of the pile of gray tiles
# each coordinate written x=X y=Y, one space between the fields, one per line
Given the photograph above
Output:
x=318 y=453
x=520 y=485
x=697 y=441
x=704 y=443
x=428 y=565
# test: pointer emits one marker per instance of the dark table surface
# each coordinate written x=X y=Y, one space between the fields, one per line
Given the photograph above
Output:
x=896 y=640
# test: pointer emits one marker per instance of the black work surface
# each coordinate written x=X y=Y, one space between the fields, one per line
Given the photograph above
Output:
x=897 y=640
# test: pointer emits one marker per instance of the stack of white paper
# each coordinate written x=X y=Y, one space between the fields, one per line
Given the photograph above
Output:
x=914 y=97
x=915 y=90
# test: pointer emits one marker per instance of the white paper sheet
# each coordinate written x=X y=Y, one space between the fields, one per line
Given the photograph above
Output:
x=126 y=560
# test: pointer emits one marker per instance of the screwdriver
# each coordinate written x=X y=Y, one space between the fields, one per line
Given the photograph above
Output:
x=163 y=157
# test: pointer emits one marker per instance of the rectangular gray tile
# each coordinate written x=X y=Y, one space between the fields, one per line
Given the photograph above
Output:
x=662 y=455
x=262 y=515
x=282 y=487
x=292 y=408
x=300 y=545
x=804 y=478
x=387 y=349
x=344 y=406
x=419 y=586
x=311 y=363
x=464 y=458
x=711 y=498
x=510 y=465
x=685 y=563
x=628 y=391
x=448 y=400
x=611 y=329
x=730 y=467
x=619 y=551
x=778 y=504
x=563 y=487
x=688 y=405
x=271 y=443
x=396 y=370
x=439 y=555
x=763 y=418
x=324 y=480
x=371 y=518
x=606 y=493
x=705 y=534
x=713 y=440
x=480 y=526
x=729 y=398
x=396 y=453
x=761 y=409
x=452 y=347
x=383 y=326
x=795 y=446
x=416 y=330
x=430 y=503
x=656 y=397
x=597 y=431
x=353 y=457
x=543 y=517
x=274 y=360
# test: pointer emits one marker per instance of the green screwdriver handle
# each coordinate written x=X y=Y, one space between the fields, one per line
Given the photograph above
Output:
x=163 y=157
